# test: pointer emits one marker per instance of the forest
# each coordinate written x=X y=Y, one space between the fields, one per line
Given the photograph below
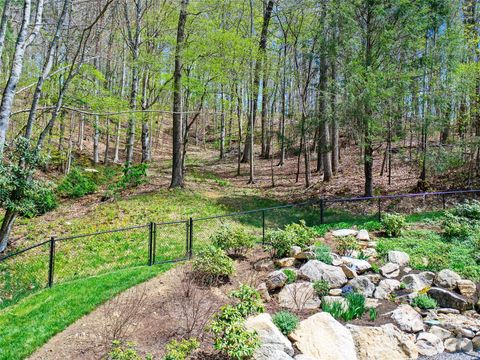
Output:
x=122 y=81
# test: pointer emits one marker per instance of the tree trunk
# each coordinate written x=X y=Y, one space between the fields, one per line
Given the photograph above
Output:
x=6 y=228
x=177 y=168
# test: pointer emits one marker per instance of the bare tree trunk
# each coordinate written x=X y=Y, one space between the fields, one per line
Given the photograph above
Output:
x=15 y=72
x=335 y=129
x=3 y=27
x=222 y=126
x=81 y=130
x=6 y=227
x=177 y=163
x=107 y=142
x=96 y=135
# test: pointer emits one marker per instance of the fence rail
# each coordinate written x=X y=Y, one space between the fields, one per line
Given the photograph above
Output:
x=56 y=259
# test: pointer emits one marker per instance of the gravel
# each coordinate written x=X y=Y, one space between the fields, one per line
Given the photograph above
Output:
x=454 y=356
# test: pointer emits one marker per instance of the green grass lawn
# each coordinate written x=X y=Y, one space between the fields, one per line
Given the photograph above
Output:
x=31 y=322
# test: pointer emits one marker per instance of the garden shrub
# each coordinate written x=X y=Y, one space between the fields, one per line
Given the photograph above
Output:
x=323 y=253
x=181 y=350
x=321 y=287
x=294 y=235
x=212 y=265
x=133 y=176
x=456 y=227
x=393 y=224
x=424 y=302
x=347 y=245
x=291 y=275
x=468 y=209
x=43 y=201
x=249 y=300
x=77 y=183
x=286 y=322
x=233 y=239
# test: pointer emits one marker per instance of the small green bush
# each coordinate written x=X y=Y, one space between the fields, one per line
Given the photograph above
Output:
x=77 y=183
x=468 y=209
x=133 y=176
x=233 y=239
x=323 y=253
x=181 y=350
x=249 y=300
x=230 y=335
x=291 y=275
x=424 y=302
x=303 y=235
x=456 y=227
x=346 y=245
x=393 y=224
x=124 y=351
x=286 y=322
x=43 y=201
x=321 y=287
x=281 y=241
x=212 y=265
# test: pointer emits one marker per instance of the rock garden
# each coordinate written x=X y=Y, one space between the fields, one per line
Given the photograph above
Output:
x=310 y=294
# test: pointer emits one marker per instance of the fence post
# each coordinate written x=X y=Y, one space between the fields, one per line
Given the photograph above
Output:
x=51 y=264
x=263 y=227
x=154 y=248
x=187 y=238
x=150 y=244
x=190 y=253
x=322 y=210
x=379 y=209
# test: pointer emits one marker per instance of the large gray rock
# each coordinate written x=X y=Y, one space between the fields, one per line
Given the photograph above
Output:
x=399 y=257
x=315 y=270
x=363 y=235
x=357 y=265
x=321 y=337
x=264 y=265
x=390 y=270
x=285 y=262
x=269 y=333
x=385 y=342
x=344 y=232
x=385 y=288
x=458 y=344
x=299 y=296
x=362 y=285
x=408 y=319
x=440 y=332
x=447 y=279
x=269 y=352
x=467 y=288
x=449 y=299
x=276 y=280
x=429 y=344
x=417 y=282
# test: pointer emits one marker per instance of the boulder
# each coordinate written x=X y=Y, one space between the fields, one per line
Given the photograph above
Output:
x=458 y=344
x=417 y=282
x=303 y=357
x=269 y=352
x=447 y=279
x=298 y=296
x=399 y=257
x=357 y=265
x=264 y=265
x=295 y=250
x=349 y=272
x=315 y=270
x=263 y=290
x=269 y=333
x=335 y=292
x=374 y=278
x=370 y=253
x=449 y=299
x=305 y=255
x=408 y=319
x=385 y=288
x=363 y=235
x=322 y=337
x=429 y=344
x=276 y=280
x=362 y=285
x=467 y=288
x=371 y=303
x=344 y=232
x=390 y=270
x=383 y=342
x=440 y=332
x=285 y=262
x=476 y=343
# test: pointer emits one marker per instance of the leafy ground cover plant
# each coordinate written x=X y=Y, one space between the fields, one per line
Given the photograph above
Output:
x=323 y=253
x=393 y=224
x=77 y=183
x=347 y=245
x=291 y=275
x=235 y=240
x=285 y=321
x=424 y=302
x=212 y=265
x=249 y=300
x=293 y=235
x=125 y=351
x=181 y=350
x=321 y=287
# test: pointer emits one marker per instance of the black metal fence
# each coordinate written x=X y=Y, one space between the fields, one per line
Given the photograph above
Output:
x=63 y=259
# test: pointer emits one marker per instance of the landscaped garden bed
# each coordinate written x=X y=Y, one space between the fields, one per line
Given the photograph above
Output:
x=311 y=293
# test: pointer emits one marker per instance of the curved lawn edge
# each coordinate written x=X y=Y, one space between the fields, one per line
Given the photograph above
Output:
x=30 y=323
